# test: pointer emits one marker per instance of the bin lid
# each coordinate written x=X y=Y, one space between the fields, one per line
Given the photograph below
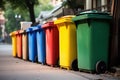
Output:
x=48 y=25
x=92 y=15
x=64 y=19
x=22 y=31
x=38 y=27
x=34 y=28
x=29 y=29
x=13 y=33
x=18 y=32
x=94 y=12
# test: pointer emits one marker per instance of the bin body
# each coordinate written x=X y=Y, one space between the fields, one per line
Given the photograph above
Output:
x=19 y=44
x=25 y=45
x=52 y=43
x=14 y=43
x=92 y=40
x=32 y=44
x=40 y=34
x=67 y=41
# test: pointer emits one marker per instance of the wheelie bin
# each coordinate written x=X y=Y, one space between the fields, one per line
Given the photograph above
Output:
x=41 y=48
x=32 y=44
x=14 y=43
x=67 y=42
x=92 y=40
x=19 y=43
x=52 y=43
x=24 y=45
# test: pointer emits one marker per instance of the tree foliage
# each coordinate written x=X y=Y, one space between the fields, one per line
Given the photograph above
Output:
x=26 y=5
x=43 y=6
x=11 y=22
x=2 y=2
x=13 y=7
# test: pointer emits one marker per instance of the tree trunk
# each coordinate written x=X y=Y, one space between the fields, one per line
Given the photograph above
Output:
x=30 y=6
x=32 y=14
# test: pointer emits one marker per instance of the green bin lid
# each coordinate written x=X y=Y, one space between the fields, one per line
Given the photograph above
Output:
x=92 y=15
x=94 y=12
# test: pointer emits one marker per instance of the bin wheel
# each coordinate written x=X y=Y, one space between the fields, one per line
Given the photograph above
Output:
x=100 y=67
x=75 y=65
x=58 y=62
x=36 y=59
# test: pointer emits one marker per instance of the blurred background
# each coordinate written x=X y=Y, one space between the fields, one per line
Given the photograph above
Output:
x=12 y=12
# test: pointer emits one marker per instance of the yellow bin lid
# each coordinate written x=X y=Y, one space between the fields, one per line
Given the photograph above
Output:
x=64 y=19
x=13 y=33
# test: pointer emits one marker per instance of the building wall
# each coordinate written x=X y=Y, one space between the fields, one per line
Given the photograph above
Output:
x=90 y=4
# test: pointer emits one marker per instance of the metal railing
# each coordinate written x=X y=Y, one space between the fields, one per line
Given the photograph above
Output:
x=104 y=8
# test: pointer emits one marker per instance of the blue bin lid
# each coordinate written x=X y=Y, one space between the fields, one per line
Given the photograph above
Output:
x=34 y=28
x=29 y=29
x=38 y=27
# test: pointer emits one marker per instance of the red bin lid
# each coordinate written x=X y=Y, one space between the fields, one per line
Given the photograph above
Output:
x=49 y=24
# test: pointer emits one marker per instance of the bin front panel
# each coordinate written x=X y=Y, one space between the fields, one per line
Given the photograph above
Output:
x=99 y=42
x=14 y=45
x=92 y=43
x=19 y=45
x=25 y=46
x=67 y=40
x=83 y=45
x=49 y=46
x=41 y=46
x=32 y=46
x=52 y=45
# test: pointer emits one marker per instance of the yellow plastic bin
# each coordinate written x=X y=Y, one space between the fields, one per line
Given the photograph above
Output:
x=24 y=45
x=14 y=43
x=67 y=42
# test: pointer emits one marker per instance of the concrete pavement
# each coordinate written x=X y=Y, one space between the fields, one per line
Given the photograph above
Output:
x=17 y=69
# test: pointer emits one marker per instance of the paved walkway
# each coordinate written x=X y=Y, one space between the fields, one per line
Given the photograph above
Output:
x=18 y=69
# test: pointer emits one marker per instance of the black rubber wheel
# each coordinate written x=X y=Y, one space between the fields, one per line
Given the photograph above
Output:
x=100 y=67
x=44 y=62
x=36 y=59
x=58 y=62
x=75 y=65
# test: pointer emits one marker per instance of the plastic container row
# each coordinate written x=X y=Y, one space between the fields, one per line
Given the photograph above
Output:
x=73 y=42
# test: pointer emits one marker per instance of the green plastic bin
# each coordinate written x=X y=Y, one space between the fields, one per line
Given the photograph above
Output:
x=92 y=41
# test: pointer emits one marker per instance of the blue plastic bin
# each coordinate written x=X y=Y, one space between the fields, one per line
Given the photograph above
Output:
x=41 y=48
x=32 y=44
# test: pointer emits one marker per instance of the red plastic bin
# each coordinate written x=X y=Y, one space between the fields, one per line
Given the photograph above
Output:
x=52 y=43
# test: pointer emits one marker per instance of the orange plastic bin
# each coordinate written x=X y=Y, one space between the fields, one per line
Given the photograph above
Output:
x=19 y=43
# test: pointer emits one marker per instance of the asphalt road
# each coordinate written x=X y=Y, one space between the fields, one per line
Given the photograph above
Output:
x=17 y=69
